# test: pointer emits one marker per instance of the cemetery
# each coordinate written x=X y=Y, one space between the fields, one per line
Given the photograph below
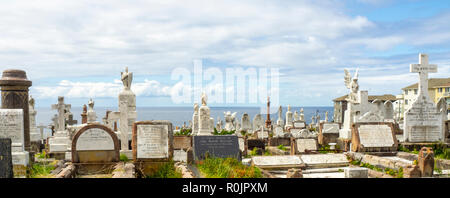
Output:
x=365 y=142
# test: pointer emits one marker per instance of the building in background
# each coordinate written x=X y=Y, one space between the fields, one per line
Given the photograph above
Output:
x=437 y=88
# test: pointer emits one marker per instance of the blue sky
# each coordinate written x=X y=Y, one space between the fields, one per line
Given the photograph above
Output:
x=77 y=49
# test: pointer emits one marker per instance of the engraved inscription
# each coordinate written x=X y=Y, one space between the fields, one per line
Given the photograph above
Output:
x=152 y=141
x=95 y=139
x=375 y=136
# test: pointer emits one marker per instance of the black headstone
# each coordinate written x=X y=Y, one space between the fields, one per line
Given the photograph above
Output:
x=6 y=166
x=258 y=143
x=221 y=146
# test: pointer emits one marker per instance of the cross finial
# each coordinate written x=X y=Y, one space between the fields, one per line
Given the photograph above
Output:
x=423 y=68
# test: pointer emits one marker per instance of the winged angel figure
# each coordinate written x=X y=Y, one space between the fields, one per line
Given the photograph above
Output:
x=352 y=84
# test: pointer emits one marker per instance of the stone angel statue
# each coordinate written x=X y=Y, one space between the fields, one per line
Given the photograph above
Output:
x=204 y=99
x=127 y=78
x=352 y=84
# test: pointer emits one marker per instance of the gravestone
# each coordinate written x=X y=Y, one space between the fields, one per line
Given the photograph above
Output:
x=230 y=120
x=246 y=124
x=289 y=118
x=306 y=144
x=204 y=119
x=91 y=114
x=152 y=141
x=374 y=137
x=258 y=123
x=95 y=144
x=299 y=124
x=59 y=144
x=222 y=146
x=423 y=120
x=256 y=143
x=11 y=126
x=6 y=165
x=328 y=132
x=182 y=142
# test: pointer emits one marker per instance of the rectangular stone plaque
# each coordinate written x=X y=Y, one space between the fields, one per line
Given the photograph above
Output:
x=279 y=161
x=152 y=141
x=376 y=136
x=222 y=146
x=95 y=139
x=6 y=165
x=330 y=128
x=306 y=144
x=11 y=126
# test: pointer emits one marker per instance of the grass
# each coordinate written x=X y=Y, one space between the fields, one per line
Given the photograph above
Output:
x=392 y=172
x=227 y=168
x=167 y=170
x=439 y=149
x=39 y=170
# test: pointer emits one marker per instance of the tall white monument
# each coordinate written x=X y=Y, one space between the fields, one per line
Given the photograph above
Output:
x=423 y=120
x=204 y=118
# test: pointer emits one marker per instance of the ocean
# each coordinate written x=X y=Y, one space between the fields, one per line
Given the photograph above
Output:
x=179 y=115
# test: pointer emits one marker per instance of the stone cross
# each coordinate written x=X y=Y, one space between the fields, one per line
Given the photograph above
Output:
x=423 y=68
x=61 y=107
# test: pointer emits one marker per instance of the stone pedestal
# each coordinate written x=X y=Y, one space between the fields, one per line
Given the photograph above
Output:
x=128 y=99
x=14 y=87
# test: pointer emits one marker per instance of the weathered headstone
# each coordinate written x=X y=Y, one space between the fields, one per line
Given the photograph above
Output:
x=204 y=123
x=356 y=172
x=11 y=126
x=328 y=132
x=374 y=137
x=306 y=144
x=289 y=118
x=246 y=124
x=426 y=161
x=152 y=141
x=95 y=143
x=423 y=121
x=277 y=161
x=6 y=165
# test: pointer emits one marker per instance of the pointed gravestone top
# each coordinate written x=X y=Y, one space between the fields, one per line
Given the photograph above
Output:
x=423 y=68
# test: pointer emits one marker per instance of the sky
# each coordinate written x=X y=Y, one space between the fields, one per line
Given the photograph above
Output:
x=77 y=49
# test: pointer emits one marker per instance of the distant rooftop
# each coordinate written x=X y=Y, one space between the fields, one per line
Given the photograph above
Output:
x=383 y=98
x=432 y=83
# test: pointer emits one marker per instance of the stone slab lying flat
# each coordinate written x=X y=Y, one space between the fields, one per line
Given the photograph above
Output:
x=268 y=162
x=324 y=170
x=324 y=160
x=325 y=175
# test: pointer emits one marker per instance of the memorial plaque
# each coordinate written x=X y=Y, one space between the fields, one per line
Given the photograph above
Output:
x=278 y=161
x=376 y=136
x=373 y=137
x=221 y=146
x=182 y=142
x=424 y=123
x=6 y=165
x=330 y=128
x=153 y=141
x=95 y=139
x=306 y=144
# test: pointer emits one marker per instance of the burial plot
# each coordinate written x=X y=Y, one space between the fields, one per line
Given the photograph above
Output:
x=374 y=137
x=152 y=145
x=221 y=146
x=6 y=166
x=328 y=132
x=95 y=147
x=277 y=162
x=11 y=126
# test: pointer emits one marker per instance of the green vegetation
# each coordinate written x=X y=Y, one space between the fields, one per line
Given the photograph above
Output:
x=223 y=132
x=438 y=170
x=42 y=155
x=440 y=150
x=326 y=149
x=392 y=172
x=227 y=168
x=267 y=153
x=282 y=147
x=186 y=132
x=124 y=158
x=39 y=170
x=167 y=170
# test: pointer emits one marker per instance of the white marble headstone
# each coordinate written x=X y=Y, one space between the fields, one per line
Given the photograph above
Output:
x=94 y=139
x=375 y=136
x=306 y=144
x=152 y=141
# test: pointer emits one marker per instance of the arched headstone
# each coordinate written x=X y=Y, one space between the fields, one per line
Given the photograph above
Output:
x=95 y=143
